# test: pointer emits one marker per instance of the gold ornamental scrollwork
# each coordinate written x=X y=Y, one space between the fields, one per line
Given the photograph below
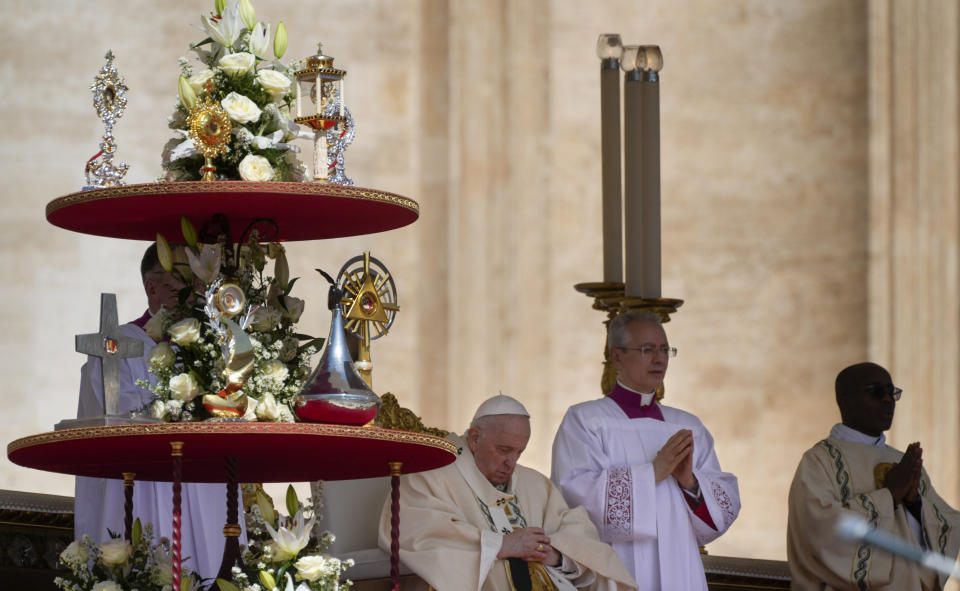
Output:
x=394 y=416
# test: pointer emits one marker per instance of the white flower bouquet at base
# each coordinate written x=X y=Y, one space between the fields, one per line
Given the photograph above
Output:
x=283 y=555
x=121 y=565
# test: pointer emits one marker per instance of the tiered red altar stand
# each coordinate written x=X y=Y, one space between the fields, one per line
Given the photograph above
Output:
x=233 y=452
x=266 y=452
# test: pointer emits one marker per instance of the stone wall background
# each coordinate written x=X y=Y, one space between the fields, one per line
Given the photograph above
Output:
x=487 y=114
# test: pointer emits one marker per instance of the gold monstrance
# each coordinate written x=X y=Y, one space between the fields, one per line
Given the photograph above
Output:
x=210 y=130
x=369 y=305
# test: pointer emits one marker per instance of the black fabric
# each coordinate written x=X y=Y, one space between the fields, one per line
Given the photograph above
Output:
x=519 y=574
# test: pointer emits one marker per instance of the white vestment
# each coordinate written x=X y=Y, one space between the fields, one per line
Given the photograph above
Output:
x=603 y=460
x=448 y=536
x=99 y=502
x=838 y=477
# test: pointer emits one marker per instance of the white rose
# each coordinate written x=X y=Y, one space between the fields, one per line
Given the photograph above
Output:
x=237 y=63
x=267 y=409
x=107 y=586
x=154 y=326
x=265 y=318
x=294 y=307
x=251 y=413
x=184 y=387
x=158 y=410
x=197 y=81
x=75 y=553
x=255 y=168
x=240 y=108
x=185 y=332
x=275 y=369
x=164 y=572
x=116 y=552
x=276 y=83
x=162 y=355
x=312 y=568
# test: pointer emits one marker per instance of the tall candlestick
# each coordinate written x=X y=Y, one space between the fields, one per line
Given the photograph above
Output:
x=650 y=177
x=609 y=50
x=633 y=171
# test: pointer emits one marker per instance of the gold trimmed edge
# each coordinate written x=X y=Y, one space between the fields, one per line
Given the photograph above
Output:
x=279 y=188
x=323 y=429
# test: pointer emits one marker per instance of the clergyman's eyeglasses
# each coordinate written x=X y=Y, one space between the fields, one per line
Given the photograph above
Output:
x=881 y=390
x=651 y=350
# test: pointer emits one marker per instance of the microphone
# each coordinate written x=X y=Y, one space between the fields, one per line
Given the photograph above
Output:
x=853 y=528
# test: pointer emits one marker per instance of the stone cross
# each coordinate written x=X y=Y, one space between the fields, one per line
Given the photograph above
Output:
x=110 y=347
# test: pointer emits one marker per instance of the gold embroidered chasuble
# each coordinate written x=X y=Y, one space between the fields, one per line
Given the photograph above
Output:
x=837 y=477
x=448 y=536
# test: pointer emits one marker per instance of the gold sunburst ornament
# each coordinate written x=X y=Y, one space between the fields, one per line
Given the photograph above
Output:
x=210 y=130
x=369 y=305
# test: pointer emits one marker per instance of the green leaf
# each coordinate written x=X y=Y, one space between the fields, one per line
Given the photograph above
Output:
x=137 y=534
x=189 y=232
x=164 y=254
x=225 y=585
x=267 y=580
x=266 y=508
x=293 y=503
x=315 y=343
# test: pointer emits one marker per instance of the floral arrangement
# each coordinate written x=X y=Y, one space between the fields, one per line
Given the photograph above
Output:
x=255 y=93
x=282 y=553
x=119 y=564
x=227 y=311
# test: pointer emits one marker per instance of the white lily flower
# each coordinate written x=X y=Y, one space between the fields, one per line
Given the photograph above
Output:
x=259 y=43
x=207 y=265
x=227 y=30
x=301 y=587
x=247 y=14
x=274 y=140
x=287 y=542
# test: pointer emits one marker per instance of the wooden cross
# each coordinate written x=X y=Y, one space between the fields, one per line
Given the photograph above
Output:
x=110 y=347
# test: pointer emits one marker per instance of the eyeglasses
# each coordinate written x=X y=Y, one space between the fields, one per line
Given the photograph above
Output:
x=881 y=390
x=651 y=350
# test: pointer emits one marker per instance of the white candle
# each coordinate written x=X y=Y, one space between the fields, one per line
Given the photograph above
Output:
x=632 y=172
x=609 y=50
x=650 y=175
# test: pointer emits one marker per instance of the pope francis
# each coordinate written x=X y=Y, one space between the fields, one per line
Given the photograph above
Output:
x=485 y=523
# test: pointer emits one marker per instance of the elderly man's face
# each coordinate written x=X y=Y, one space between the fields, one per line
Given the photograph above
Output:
x=497 y=445
x=636 y=370
x=868 y=405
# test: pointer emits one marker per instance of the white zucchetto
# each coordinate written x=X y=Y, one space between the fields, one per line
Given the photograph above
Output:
x=500 y=405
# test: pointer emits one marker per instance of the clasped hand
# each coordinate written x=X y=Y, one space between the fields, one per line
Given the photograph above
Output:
x=904 y=478
x=676 y=458
x=530 y=544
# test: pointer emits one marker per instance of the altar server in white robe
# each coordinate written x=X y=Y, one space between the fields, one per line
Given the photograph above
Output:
x=485 y=523
x=646 y=473
x=99 y=502
x=853 y=472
